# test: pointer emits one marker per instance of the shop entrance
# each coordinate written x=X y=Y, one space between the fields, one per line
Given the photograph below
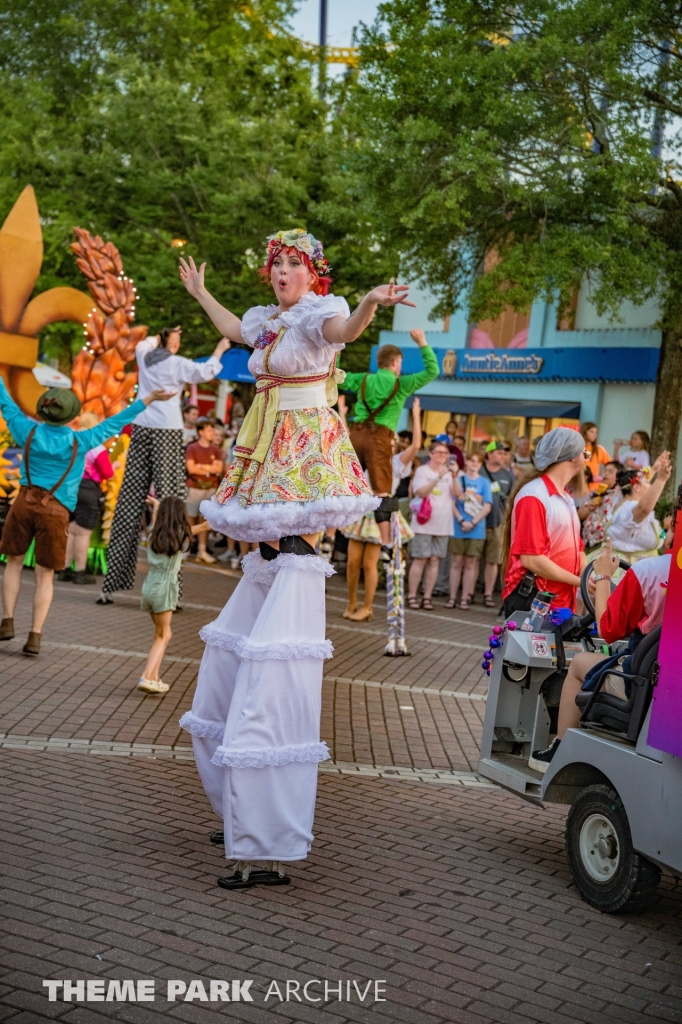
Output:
x=479 y=430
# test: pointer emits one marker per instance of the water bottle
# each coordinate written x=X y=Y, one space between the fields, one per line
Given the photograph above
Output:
x=538 y=610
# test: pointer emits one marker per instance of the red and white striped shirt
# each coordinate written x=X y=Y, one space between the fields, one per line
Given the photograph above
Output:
x=545 y=522
x=638 y=600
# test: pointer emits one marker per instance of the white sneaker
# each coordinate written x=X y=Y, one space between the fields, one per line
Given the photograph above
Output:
x=227 y=556
x=235 y=563
x=204 y=557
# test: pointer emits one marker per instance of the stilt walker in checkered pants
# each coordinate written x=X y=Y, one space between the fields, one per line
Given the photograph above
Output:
x=156 y=453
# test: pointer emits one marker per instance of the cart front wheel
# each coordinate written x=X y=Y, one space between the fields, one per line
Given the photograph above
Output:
x=607 y=870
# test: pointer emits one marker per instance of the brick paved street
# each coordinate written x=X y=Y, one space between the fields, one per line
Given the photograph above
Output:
x=454 y=893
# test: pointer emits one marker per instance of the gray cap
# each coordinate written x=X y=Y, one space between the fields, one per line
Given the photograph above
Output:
x=559 y=445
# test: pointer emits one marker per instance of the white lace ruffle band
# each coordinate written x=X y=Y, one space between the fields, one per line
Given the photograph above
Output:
x=201 y=728
x=250 y=650
x=285 y=518
x=273 y=757
x=259 y=570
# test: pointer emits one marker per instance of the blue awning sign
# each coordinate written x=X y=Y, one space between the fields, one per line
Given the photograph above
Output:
x=623 y=365
x=500 y=362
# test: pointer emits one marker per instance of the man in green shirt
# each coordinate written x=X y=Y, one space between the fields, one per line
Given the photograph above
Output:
x=381 y=398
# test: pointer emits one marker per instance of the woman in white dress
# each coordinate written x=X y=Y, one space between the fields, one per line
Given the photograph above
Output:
x=255 y=719
x=634 y=531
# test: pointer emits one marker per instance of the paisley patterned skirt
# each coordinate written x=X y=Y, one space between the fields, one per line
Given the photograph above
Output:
x=367 y=532
x=309 y=480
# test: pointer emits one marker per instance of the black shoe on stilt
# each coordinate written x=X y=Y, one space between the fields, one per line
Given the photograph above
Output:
x=218 y=838
x=246 y=878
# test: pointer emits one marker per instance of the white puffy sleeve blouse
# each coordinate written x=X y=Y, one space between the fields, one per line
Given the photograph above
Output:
x=303 y=348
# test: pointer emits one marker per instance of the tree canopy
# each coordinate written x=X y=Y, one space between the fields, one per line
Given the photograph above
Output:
x=153 y=122
x=544 y=132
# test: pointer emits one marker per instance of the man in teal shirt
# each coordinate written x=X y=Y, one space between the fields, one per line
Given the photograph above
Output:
x=51 y=471
x=381 y=399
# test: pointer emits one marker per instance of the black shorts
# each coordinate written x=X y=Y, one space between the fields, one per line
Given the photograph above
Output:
x=89 y=505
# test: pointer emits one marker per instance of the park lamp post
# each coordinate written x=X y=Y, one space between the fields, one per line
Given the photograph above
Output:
x=322 y=81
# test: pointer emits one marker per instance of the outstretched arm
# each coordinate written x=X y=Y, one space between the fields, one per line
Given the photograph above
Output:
x=662 y=467
x=409 y=454
x=227 y=323
x=19 y=425
x=411 y=382
x=339 y=330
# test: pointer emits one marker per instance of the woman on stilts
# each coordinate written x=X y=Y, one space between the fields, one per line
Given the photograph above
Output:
x=255 y=719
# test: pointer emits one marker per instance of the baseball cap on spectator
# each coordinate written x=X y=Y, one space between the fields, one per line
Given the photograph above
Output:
x=442 y=438
x=496 y=446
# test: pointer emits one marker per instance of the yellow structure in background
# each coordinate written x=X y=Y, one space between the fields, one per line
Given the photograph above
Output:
x=21 y=257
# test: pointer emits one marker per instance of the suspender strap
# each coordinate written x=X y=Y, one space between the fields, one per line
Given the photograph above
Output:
x=373 y=413
x=48 y=494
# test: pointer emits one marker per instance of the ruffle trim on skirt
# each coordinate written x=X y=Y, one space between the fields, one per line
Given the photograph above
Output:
x=273 y=757
x=259 y=570
x=270 y=521
x=201 y=728
x=250 y=650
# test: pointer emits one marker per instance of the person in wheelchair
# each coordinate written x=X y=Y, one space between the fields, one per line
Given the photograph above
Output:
x=632 y=611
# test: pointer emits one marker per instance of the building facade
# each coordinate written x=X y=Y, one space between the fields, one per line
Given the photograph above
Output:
x=526 y=373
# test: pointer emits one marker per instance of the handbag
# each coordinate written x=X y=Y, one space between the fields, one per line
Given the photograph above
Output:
x=424 y=511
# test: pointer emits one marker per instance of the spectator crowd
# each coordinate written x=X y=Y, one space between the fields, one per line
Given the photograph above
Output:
x=454 y=499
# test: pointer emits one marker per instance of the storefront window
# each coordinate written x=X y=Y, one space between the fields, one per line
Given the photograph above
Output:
x=496 y=428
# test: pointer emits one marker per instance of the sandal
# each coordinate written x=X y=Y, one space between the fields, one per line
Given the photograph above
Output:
x=452 y=603
x=464 y=604
x=156 y=686
x=488 y=601
x=413 y=603
x=426 y=604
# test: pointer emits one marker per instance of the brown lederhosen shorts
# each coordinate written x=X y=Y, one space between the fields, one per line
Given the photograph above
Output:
x=374 y=449
x=49 y=524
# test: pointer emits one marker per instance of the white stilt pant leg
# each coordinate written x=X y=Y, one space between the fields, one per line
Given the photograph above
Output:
x=215 y=685
x=271 y=745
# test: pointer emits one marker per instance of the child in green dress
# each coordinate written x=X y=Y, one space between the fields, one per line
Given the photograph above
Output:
x=171 y=532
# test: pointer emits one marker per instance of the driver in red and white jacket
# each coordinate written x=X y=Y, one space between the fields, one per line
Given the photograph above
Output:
x=637 y=603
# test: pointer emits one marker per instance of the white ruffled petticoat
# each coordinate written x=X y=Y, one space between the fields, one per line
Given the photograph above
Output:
x=285 y=519
x=255 y=719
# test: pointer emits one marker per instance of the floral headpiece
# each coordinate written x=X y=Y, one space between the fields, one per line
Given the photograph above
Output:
x=297 y=238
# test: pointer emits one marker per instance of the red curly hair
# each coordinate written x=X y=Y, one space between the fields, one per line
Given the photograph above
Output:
x=321 y=285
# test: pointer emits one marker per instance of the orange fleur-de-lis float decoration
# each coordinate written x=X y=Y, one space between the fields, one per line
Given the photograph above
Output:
x=21 y=257
x=99 y=377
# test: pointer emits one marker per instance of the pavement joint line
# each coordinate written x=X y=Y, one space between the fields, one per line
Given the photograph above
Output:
x=404 y=687
x=57 y=744
x=134 y=599
x=422 y=613
x=330 y=679
x=413 y=639
x=116 y=651
x=197 y=661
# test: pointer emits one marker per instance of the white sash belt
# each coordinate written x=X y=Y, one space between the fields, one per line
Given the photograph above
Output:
x=312 y=397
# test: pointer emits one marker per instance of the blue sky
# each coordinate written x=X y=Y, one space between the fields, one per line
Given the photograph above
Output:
x=341 y=17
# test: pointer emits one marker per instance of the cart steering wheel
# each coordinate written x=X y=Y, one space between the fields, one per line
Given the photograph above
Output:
x=584 y=579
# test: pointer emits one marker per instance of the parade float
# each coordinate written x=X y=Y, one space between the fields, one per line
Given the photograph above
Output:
x=102 y=375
